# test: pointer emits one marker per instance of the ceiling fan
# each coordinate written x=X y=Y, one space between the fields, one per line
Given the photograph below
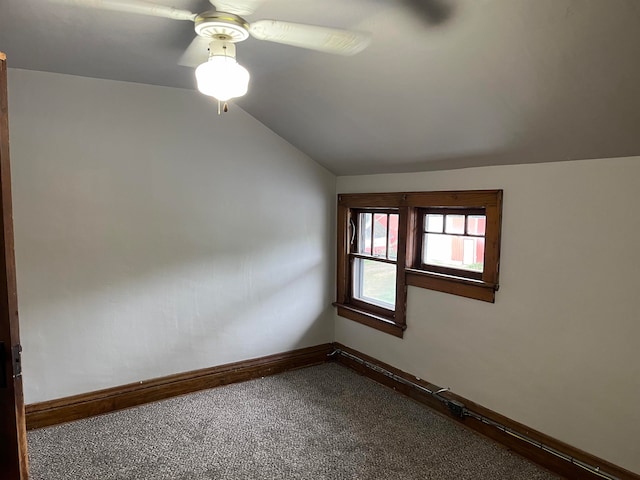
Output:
x=213 y=50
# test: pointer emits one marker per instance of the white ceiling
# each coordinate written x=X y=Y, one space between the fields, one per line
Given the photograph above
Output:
x=495 y=82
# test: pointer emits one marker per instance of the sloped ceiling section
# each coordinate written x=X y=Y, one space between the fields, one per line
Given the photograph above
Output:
x=478 y=82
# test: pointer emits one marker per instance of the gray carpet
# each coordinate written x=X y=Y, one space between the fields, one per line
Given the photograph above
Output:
x=323 y=422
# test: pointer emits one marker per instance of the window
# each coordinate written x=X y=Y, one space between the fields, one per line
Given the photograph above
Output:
x=374 y=255
x=452 y=241
x=444 y=241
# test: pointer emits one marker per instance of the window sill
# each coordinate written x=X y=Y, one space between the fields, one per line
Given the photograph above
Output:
x=371 y=320
x=462 y=287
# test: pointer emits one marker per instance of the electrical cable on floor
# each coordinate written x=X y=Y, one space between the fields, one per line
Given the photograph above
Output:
x=458 y=409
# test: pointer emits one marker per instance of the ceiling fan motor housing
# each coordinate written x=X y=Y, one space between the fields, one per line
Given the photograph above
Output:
x=222 y=26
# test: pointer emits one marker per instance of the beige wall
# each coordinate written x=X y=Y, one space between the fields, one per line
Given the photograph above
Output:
x=155 y=237
x=559 y=350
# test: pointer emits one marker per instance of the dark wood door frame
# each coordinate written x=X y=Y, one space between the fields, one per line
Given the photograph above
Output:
x=13 y=435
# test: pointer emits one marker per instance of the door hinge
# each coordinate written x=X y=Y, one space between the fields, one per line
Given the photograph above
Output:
x=17 y=361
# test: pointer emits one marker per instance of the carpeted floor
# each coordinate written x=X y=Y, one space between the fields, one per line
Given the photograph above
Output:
x=323 y=422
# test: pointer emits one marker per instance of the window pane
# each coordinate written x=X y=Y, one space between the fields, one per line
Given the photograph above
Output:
x=393 y=236
x=476 y=224
x=453 y=251
x=380 y=234
x=364 y=234
x=434 y=223
x=375 y=282
x=454 y=224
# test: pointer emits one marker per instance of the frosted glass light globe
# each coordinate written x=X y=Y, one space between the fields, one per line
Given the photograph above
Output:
x=222 y=77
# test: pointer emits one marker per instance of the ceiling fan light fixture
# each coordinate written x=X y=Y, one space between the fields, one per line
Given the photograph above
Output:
x=222 y=77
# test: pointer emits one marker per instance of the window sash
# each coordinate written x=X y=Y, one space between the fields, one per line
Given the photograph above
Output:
x=420 y=262
x=363 y=241
x=358 y=283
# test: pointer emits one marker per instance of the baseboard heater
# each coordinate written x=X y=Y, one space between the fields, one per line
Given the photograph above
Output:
x=459 y=410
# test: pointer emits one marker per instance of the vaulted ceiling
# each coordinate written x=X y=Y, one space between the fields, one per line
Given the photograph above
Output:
x=444 y=83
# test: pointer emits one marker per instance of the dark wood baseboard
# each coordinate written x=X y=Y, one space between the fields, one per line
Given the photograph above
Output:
x=534 y=453
x=85 y=405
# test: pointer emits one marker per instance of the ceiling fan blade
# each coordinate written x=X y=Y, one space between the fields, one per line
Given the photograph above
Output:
x=238 y=7
x=434 y=12
x=196 y=53
x=133 y=6
x=323 y=39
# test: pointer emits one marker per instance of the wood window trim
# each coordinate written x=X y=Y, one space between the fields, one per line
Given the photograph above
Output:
x=394 y=322
x=378 y=322
x=409 y=272
x=462 y=287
